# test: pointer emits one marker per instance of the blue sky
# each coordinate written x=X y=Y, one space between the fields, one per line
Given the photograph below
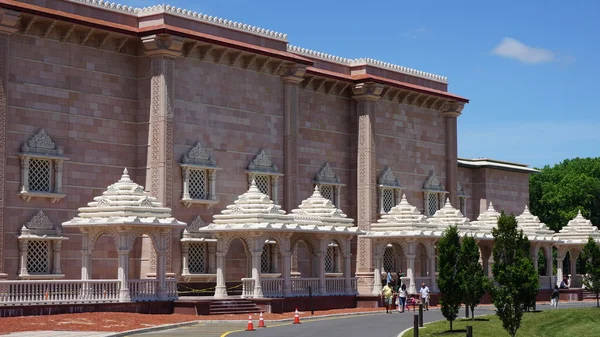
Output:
x=529 y=66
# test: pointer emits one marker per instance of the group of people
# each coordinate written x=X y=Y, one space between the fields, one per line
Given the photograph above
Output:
x=395 y=289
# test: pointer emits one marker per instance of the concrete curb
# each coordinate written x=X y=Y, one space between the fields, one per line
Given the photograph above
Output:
x=226 y=322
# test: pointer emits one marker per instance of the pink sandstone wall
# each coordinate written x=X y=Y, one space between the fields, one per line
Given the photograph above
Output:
x=507 y=190
x=411 y=141
x=234 y=113
x=86 y=101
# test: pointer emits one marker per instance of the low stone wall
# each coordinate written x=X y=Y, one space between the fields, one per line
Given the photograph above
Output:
x=50 y=309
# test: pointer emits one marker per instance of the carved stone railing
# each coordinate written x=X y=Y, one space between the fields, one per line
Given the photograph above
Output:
x=546 y=282
x=335 y=286
x=172 y=289
x=354 y=285
x=143 y=290
x=247 y=288
x=37 y=292
x=300 y=286
x=272 y=287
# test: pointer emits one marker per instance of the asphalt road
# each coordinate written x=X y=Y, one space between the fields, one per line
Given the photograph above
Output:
x=379 y=324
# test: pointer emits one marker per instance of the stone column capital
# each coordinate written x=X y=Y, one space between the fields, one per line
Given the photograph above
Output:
x=163 y=45
x=367 y=91
x=8 y=21
x=453 y=109
x=293 y=73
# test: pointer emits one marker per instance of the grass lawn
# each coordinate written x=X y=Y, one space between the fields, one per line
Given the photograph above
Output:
x=563 y=322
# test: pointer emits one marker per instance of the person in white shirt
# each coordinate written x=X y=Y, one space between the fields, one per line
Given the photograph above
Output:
x=424 y=296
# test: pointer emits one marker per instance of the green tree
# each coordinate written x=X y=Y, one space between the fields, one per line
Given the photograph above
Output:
x=558 y=192
x=591 y=256
x=516 y=281
x=449 y=279
x=472 y=275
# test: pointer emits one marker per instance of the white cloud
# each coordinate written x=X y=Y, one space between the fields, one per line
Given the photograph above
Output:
x=514 y=49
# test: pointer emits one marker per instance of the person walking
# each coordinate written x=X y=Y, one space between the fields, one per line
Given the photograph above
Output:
x=555 y=296
x=424 y=291
x=387 y=294
x=402 y=297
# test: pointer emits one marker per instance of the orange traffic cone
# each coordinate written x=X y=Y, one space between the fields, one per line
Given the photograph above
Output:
x=296 y=317
x=250 y=324
x=261 y=321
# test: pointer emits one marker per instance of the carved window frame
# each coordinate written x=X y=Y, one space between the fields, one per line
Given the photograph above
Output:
x=433 y=192
x=41 y=148
x=326 y=178
x=388 y=184
x=262 y=165
x=333 y=251
x=462 y=199
x=38 y=230
x=198 y=161
x=193 y=235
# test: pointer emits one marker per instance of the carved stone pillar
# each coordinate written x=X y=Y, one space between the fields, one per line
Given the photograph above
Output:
x=534 y=256
x=560 y=259
x=185 y=258
x=56 y=246
x=23 y=247
x=366 y=96
x=123 y=269
x=212 y=249
x=8 y=23
x=377 y=266
x=291 y=76
x=347 y=272
x=321 y=266
x=220 y=289
x=287 y=271
x=162 y=50
x=58 y=173
x=451 y=114
x=549 y=264
x=573 y=255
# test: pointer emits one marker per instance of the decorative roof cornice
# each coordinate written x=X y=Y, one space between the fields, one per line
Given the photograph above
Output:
x=327 y=176
x=388 y=179
x=366 y=61
x=188 y=14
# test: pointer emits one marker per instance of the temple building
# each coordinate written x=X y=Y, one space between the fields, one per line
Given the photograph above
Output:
x=267 y=167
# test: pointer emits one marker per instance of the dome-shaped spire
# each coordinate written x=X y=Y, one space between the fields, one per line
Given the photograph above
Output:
x=319 y=210
x=250 y=207
x=403 y=216
x=578 y=229
x=124 y=202
x=448 y=216
x=531 y=224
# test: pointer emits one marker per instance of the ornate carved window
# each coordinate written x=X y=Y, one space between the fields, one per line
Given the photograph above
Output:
x=265 y=174
x=41 y=168
x=198 y=252
x=389 y=191
x=389 y=259
x=40 y=246
x=329 y=184
x=199 y=174
x=462 y=199
x=332 y=258
x=197 y=258
x=434 y=193
x=269 y=258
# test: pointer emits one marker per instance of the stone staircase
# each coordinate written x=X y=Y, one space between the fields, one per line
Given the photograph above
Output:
x=233 y=306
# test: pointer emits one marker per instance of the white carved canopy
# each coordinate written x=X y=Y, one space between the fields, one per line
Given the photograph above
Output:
x=124 y=203
x=402 y=217
x=488 y=219
x=578 y=230
x=319 y=210
x=449 y=216
x=532 y=226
